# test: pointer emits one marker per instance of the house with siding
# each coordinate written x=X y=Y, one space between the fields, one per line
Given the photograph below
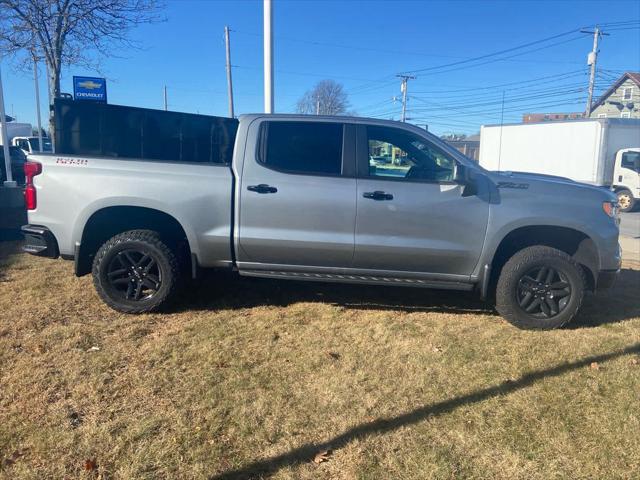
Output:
x=621 y=100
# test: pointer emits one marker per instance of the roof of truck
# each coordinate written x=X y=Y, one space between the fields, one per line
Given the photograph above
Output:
x=615 y=121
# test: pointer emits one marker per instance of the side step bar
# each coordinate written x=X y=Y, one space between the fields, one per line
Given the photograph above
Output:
x=363 y=279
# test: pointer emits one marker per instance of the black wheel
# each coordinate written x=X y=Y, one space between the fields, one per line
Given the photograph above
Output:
x=135 y=272
x=540 y=288
x=626 y=202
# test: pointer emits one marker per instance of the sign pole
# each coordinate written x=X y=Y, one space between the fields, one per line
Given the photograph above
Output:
x=35 y=80
x=5 y=140
x=268 y=56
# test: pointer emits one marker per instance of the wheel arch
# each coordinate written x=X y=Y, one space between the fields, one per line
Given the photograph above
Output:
x=108 y=221
x=573 y=242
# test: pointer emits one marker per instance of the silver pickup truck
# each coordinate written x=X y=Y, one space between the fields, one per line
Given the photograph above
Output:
x=334 y=199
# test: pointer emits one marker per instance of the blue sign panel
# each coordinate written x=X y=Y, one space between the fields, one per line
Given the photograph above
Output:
x=90 y=88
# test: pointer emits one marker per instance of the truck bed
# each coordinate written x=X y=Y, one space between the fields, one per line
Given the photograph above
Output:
x=68 y=197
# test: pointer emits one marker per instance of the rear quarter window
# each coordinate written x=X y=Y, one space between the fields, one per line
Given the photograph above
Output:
x=313 y=148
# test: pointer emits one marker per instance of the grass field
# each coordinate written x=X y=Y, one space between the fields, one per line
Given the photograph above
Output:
x=256 y=379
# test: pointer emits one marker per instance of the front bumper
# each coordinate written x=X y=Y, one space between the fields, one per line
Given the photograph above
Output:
x=606 y=279
x=39 y=241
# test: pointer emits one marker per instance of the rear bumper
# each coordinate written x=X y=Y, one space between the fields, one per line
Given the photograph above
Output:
x=39 y=241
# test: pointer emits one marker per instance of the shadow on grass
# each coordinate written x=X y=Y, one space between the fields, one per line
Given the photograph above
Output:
x=216 y=290
x=228 y=291
x=9 y=251
x=305 y=453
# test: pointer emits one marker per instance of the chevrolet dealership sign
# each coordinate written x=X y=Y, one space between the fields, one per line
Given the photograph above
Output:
x=90 y=88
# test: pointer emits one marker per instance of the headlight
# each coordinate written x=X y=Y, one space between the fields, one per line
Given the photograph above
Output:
x=610 y=208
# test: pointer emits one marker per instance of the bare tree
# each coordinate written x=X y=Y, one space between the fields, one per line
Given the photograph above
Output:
x=70 y=32
x=326 y=98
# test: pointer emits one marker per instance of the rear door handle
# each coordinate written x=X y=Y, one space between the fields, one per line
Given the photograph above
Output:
x=378 y=195
x=262 y=188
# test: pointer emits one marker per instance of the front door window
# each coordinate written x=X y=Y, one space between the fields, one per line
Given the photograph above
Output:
x=395 y=153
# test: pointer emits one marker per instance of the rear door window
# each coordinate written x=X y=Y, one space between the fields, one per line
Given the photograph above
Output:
x=312 y=148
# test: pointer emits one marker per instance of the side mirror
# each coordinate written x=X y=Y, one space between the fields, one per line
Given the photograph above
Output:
x=465 y=177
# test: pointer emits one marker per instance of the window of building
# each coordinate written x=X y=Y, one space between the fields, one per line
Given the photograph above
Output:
x=302 y=147
x=398 y=154
x=602 y=115
x=625 y=115
x=627 y=93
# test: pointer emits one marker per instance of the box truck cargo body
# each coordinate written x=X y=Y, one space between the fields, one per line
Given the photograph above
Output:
x=596 y=151
x=16 y=130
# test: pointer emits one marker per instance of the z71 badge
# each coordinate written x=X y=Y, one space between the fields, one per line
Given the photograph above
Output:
x=71 y=161
x=521 y=186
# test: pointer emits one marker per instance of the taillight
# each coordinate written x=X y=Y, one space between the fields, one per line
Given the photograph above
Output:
x=31 y=169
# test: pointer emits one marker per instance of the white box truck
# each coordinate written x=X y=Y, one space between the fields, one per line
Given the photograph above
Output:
x=602 y=152
x=15 y=129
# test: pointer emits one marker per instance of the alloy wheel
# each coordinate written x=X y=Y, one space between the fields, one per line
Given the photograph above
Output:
x=543 y=292
x=134 y=275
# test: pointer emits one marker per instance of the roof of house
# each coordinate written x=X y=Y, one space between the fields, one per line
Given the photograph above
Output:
x=633 y=76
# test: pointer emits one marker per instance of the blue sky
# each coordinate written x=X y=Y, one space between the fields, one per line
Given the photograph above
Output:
x=363 y=45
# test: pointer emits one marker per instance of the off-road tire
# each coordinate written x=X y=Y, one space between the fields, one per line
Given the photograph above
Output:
x=148 y=243
x=626 y=202
x=515 y=271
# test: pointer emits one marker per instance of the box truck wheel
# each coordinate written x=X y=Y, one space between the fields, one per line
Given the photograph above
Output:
x=135 y=272
x=626 y=201
x=540 y=288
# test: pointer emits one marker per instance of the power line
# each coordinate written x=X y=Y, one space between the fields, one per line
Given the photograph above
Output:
x=554 y=78
x=496 y=100
x=493 y=54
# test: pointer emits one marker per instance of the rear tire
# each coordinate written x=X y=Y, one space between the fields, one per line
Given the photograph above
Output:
x=540 y=288
x=626 y=202
x=135 y=272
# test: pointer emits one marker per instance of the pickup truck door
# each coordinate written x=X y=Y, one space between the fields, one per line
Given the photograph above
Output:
x=297 y=196
x=411 y=216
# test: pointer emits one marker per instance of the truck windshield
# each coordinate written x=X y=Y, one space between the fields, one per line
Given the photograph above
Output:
x=46 y=144
x=631 y=160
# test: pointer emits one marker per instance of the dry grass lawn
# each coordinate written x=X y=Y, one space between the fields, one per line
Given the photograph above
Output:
x=254 y=378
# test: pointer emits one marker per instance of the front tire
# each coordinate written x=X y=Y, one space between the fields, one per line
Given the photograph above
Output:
x=626 y=202
x=540 y=288
x=135 y=272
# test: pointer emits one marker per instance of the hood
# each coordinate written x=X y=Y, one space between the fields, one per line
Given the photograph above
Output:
x=527 y=180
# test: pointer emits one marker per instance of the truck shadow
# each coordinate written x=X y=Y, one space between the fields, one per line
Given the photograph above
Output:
x=236 y=292
x=216 y=291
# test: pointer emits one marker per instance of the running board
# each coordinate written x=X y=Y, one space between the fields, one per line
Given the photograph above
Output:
x=363 y=279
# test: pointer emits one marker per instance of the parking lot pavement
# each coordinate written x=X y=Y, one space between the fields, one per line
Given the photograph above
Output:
x=630 y=224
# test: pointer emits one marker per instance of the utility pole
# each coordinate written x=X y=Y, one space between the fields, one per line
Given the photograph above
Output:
x=403 y=89
x=592 y=59
x=229 y=83
x=166 y=105
x=317 y=105
x=5 y=140
x=268 y=56
x=35 y=81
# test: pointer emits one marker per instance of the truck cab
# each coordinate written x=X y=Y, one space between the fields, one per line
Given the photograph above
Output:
x=30 y=145
x=626 y=178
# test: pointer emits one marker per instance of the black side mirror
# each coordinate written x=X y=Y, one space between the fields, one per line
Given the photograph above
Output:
x=465 y=177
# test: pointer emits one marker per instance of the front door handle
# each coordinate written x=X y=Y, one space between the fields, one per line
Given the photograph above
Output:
x=262 y=188
x=378 y=195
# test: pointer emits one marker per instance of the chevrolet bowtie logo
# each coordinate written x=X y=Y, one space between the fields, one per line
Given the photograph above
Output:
x=89 y=84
